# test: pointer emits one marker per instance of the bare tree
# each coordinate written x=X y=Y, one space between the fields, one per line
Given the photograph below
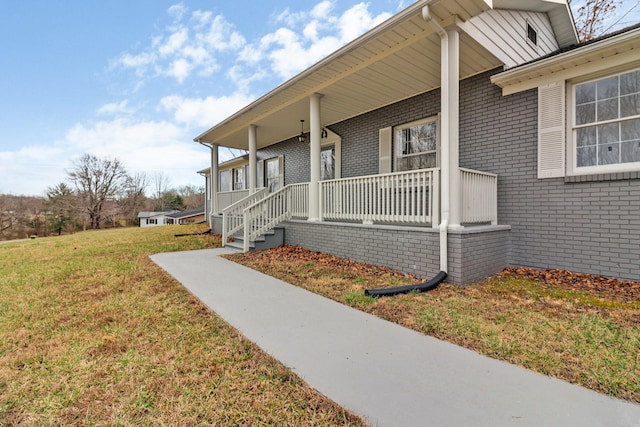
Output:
x=161 y=184
x=97 y=180
x=133 y=198
x=591 y=16
x=192 y=195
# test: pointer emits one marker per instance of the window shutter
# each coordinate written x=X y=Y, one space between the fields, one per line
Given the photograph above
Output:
x=385 y=150
x=260 y=174
x=551 y=130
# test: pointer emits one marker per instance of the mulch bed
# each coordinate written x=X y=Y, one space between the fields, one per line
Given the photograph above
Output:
x=578 y=281
x=611 y=287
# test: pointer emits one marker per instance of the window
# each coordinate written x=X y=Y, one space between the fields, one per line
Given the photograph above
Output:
x=152 y=220
x=328 y=163
x=416 y=144
x=532 y=35
x=606 y=124
x=225 y=181
x=272 y=174
x=239 y=178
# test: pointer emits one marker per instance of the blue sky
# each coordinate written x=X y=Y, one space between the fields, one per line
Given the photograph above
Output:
x=138 y=80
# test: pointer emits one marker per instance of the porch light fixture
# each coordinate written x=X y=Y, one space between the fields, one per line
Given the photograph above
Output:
x=301 y=137
x=324 y=133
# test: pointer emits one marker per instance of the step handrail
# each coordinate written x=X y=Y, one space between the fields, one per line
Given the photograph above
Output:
x=266 y=214
x=233 y=215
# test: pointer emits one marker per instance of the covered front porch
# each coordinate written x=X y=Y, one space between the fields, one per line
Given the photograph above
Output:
x=417 y=51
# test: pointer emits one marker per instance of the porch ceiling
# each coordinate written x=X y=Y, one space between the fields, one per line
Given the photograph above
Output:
x=396 y=60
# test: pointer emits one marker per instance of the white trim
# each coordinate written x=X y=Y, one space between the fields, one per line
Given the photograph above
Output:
x=431 y=119
x=571 y=129
x=253 y=148
x=604 y=54
x=385 y=148
x=335 y=140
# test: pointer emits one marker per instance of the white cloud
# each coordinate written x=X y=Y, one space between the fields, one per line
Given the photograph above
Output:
x=115 y=108
x=179 y=69
x=143 y=146
x=289 y=50
x=174 y=43
x=191 y=43
x=358 y=20
x=203 y=112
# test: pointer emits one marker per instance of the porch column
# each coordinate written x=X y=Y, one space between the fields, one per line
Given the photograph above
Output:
x=454 y=127
x=450 y=107
x=314 y=184
x=253 y=163
x=214 y=180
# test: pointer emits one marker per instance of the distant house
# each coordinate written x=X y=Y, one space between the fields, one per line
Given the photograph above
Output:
x=459 y=135
x=190 y=216
x=152 y=219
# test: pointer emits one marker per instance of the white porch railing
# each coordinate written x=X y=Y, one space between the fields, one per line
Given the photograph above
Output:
x=402 y=197
x=265 y=214
x=479 y=196
x=411 y=197
x=233 y=215
x=228 y=198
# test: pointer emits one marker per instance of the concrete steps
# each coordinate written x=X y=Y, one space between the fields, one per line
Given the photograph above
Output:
x=270 y=239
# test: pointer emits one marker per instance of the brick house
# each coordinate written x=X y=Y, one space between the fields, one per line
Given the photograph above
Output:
x=459 y=135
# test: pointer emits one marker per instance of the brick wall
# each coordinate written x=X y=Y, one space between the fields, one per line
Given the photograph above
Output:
x=591 y=227
x=407 y=249
x=474 y=254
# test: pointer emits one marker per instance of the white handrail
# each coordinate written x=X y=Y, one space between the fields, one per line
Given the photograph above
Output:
x=279 y=206
x=232 y=215
x=479 y=196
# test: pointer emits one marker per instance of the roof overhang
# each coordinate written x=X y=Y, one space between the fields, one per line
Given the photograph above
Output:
x=396 y=60
x=376 y=69
x=619 y=50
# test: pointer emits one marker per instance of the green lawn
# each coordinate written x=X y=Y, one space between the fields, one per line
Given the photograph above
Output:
x=93 y=333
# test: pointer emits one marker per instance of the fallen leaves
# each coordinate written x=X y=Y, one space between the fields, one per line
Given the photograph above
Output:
x=611 y=287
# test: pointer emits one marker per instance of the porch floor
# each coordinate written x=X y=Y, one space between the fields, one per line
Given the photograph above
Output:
x=387 y=374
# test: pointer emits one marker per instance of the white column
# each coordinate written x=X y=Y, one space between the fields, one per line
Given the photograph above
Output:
x=314 y=184
x=207 y=199
x=214 y=179
x=445 y=146
x=253 y=156
x=455 y=193
x=449 y=144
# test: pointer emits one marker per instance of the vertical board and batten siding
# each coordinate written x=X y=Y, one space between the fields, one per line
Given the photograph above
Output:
x=504 y=34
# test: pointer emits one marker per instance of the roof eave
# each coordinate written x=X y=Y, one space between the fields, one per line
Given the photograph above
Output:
x=528 y=76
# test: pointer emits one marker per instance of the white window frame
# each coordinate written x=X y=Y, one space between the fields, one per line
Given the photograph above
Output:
x=395 y=129
x=229 y=186
x=236 y=184
x=572 y=148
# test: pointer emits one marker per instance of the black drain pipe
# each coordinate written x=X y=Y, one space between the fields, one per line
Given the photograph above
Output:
x=417 y=287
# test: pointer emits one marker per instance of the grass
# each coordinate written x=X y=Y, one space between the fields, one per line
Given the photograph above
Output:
x=582 y=337
x=93 y=333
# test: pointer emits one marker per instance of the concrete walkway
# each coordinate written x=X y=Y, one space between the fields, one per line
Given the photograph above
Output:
x=389 y=375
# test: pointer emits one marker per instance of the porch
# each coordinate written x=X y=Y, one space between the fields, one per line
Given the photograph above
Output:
x=388 y=219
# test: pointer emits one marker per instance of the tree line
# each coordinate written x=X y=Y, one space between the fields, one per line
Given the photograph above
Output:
x=97 y=193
